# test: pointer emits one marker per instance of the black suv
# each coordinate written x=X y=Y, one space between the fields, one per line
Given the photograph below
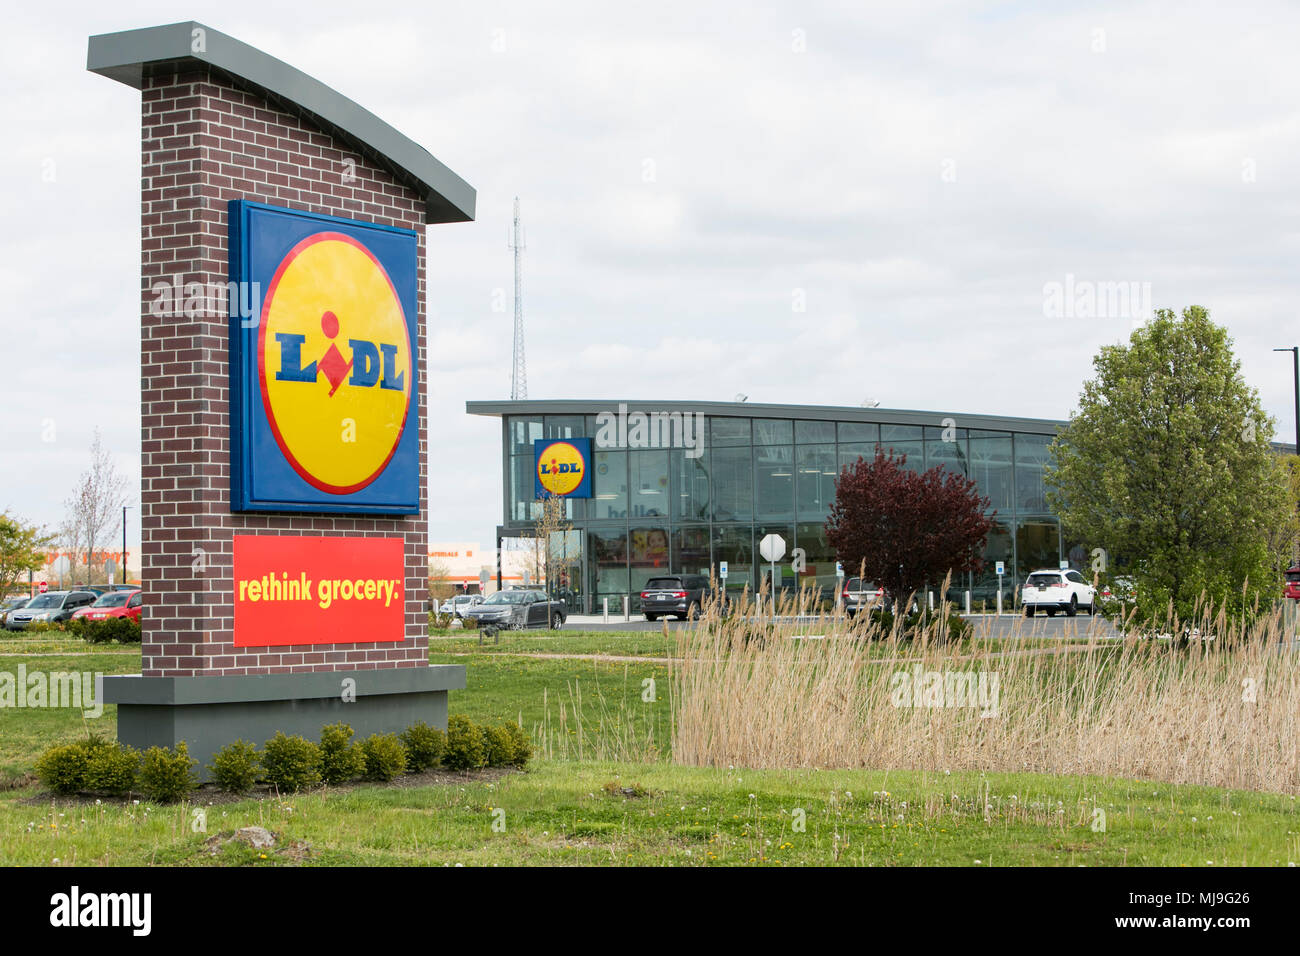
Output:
x=681 y=595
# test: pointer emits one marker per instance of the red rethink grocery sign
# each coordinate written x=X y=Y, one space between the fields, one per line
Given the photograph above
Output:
x=296 y=590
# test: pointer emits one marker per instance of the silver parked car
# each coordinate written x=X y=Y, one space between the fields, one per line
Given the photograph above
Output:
x=52 y=607
x=518 y=609
x=12 y=603
x=459 y=604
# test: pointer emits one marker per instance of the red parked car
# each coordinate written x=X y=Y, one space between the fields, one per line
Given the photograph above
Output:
x=1291 y=588
x=115 y=604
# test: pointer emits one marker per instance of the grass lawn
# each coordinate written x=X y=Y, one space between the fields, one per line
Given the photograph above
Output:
x=26 y=732
x=562 y=812
x=621 y=644
x=601 y=792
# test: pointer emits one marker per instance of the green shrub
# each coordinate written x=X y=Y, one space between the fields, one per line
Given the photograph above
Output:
x=385 y=757
x=167 y=773
x=112 y=768
x=62 y=769
x=291 y=763
x=340 y=760
x=235 y=767
x=507 y=745
x=466 y=748
x=105 y=631
x=424 y=746
x=523 y=747
x=500 y=746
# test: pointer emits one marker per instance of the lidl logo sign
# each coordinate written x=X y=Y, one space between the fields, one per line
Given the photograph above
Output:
x=323 y=380
x=562 y=467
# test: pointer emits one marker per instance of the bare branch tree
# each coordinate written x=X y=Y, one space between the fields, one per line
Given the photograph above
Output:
x=550 y=523
x=95 y=505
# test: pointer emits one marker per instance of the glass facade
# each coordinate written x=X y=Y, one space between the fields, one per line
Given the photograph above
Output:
x=657 y=510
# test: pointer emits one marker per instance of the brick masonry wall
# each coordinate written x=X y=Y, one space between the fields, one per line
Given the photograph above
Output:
x=205 y=142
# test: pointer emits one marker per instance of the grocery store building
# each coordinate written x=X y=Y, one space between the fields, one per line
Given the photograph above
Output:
x=683 y=486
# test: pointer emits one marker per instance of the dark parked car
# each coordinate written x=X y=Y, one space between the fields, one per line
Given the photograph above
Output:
x=680 y=595
x=517 y=609
x=50 y=607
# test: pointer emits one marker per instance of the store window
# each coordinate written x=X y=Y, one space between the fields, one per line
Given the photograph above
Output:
x=609 y=485
x=735 y=545
x=773 y=431
x=690 y=485
x=691 y=550
x=1031 y=462
x=609 y=575
x=850 y=453
x=858 y=432
x=815 y=474
x=814 y=433
x=728 y=431
x=648 y=484
x=731 y=477
x=991 y=468
x=648 y=557
x=1038 y=546
x=774 y=481
x=523 y=432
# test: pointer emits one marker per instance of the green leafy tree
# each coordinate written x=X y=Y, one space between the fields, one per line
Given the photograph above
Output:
x=1286 y=540
x=1167 y=462
x=22 y=552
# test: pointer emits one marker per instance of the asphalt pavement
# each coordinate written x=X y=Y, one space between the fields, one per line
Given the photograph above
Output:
x=990 y=625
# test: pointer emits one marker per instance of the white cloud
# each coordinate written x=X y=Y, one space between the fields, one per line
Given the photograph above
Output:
x=918 y=173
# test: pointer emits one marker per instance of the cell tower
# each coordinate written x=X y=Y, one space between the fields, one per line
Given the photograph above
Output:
x=519 y=373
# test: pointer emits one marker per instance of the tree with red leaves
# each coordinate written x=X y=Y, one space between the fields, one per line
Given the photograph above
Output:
x=903 y=530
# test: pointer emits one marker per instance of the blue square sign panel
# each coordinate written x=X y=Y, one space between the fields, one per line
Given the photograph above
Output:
x=324 y=370
x=562 y=467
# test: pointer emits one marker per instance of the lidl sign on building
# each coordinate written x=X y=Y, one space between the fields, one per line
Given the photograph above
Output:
x=323 y=377
x=562 y=467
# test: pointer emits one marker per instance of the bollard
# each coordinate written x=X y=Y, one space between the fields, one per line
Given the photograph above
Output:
x=627 y=615
x=968 y=603
x=930 y=596
x=999 y=602
x=606 y=604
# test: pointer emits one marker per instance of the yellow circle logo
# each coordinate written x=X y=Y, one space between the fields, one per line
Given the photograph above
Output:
x=560 y=468
x=334 y=362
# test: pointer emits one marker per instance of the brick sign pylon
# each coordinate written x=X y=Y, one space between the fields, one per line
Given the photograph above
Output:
x=284 y=432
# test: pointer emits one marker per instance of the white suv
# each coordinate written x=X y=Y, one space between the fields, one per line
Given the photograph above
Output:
x=1053 y=591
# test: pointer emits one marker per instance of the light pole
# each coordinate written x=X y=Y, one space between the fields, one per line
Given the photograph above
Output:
x=1295 y=358
x=126 y=578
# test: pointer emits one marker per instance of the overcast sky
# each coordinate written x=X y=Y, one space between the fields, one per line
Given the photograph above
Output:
x=914 y=174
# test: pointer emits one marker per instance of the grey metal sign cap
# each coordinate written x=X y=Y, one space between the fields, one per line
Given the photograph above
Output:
x=131 y=55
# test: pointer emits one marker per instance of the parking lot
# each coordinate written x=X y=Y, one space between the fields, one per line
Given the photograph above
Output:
x=989 y=625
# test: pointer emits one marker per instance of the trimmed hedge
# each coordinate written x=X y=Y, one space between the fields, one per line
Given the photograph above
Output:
x=167 y=773
x=291 y=763
x=425 y=746
x=385 y=757
x=341 y=760
x=235 y=767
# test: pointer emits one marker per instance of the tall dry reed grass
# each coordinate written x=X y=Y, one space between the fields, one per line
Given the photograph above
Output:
x=1224 y=712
